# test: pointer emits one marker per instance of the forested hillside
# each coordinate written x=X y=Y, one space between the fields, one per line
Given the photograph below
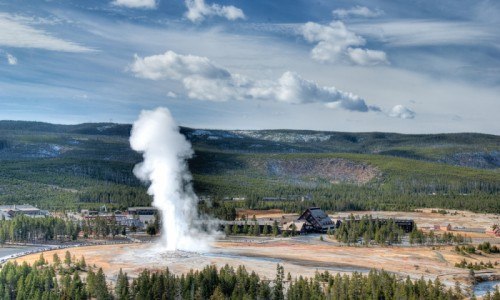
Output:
x=88 y=165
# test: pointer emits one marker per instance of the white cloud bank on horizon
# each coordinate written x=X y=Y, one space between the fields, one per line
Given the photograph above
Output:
x=198 y=10
x=402 y=112
x=357 y=11
x=17 y=34
x=203 y=80
x=335 y=42
x=11 y=59
x=143 y=4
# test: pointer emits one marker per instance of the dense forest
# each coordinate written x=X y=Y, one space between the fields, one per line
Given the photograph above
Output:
x=26 y=229
x=61 y=167
x=72 y=278
x=368 y=230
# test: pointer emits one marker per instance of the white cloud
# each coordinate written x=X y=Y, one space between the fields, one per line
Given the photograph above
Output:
x=334 y=42
x=37 y=20
x=175 y=66
x=366 y=57
x=292 y=88
x=144 y=4
x=198 y=10
x=357 y=11
x=14 y=33
x=402 y=112
x=171 y=94
x=11 y=59
x=410 y=33
x=203 y=80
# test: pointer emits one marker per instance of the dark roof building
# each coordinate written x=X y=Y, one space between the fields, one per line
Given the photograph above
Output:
x=317 y=219
x=142 y=210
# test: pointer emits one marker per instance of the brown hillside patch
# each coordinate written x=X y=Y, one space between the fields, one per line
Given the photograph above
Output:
x=333 y=170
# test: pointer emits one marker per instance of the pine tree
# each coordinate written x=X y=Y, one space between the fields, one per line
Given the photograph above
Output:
x=82 y=263
x=101 y=288
x=265 y=230
x=56 y=260
x=235 y=229
x=278 y=283
x=91 y=283
x=122 y=286
x=218 y=294
x=275 y=228
x=67 y=258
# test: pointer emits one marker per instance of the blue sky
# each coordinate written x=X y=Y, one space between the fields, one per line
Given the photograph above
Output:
x=399 y=66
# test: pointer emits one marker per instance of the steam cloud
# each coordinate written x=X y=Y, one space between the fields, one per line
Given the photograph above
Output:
x=165 y=150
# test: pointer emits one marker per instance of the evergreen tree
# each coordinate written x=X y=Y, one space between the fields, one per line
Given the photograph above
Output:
x=56 y=260
x=67 y=258
x=265 y=230
x=275 y=228
x=122 y=286
x=101 y=288
x=278 y=284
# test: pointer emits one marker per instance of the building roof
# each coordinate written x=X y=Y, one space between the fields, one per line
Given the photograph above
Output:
x=317 y=218
x=18 y=207
x=142 y=208
x=299 y=226
x=248 y=222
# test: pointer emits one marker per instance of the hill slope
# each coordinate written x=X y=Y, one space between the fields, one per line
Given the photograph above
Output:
x=68 y=166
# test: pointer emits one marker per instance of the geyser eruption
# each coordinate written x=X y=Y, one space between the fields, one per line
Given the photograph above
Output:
x=165 y=150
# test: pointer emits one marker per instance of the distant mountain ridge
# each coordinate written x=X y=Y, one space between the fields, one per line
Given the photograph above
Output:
x=86 y=165
x=473 y=150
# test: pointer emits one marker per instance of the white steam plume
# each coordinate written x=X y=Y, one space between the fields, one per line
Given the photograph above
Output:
x=165 y=150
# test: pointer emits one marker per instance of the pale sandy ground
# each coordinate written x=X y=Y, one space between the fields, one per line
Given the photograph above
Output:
x=426 y=218
x=300 y=256
x=303 y=255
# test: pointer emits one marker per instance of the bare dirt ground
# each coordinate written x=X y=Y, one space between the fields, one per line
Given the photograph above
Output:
x=425 y=217
x=304 y=255
x=300 y=256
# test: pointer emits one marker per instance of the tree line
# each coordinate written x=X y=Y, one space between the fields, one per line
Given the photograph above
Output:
x=72 y=278
x=417 y=236
x=26 y=229
x=367 y=230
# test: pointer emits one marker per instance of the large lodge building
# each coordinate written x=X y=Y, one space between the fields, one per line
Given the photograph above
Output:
x=315 y=220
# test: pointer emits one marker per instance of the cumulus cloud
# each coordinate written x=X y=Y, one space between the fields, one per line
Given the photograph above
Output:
x=144 y=4
x=402 y=112
x=335 y=42
x=198 y=10
x=357 y=11
x=11 y=59
x=366 y=57
x=204 y=80
x=171 y=94
x=15 y=33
